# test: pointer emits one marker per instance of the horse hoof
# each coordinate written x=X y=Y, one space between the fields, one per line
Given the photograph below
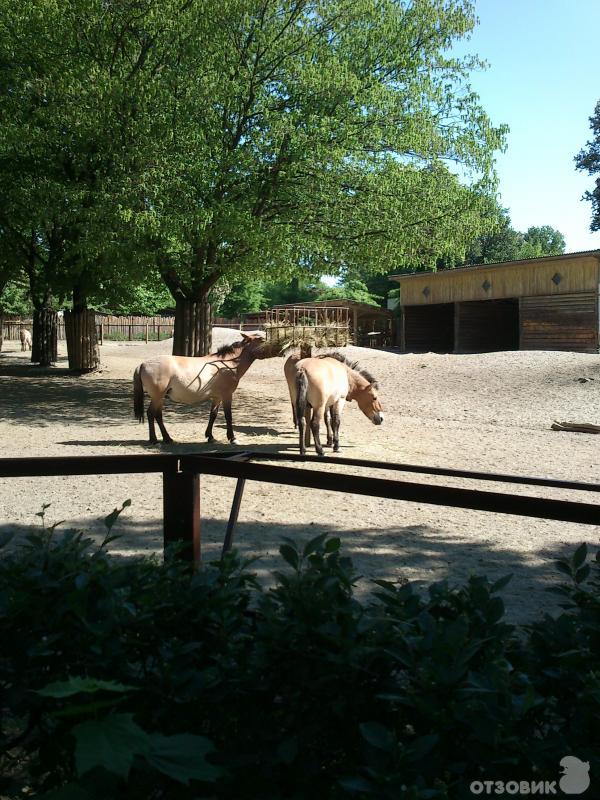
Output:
x=210 y=439
x=321 y=453
x=168 y=440
x=233 y=441
x=336 y=449
x=153 y=441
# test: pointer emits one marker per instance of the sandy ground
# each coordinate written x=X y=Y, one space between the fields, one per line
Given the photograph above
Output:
x=489 y=412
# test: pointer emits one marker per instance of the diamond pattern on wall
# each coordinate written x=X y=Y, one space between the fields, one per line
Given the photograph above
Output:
x=486 y=285
x=556 y=278
x=427 y=291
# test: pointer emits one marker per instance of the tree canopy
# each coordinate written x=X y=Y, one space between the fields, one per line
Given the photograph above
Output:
x=588 y=160
x=238 y=140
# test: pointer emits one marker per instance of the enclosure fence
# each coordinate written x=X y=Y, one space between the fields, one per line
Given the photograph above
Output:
x=181 y=486
x=109 y=327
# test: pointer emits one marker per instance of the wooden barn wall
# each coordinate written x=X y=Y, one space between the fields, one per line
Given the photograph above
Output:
x=428 y=329
x=486 y=326
x=567 y=322
x=578 y=274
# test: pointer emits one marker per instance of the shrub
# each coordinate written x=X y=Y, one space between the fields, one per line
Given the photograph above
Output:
x=138 y=679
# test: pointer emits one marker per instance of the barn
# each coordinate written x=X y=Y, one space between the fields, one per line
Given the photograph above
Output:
x=549 y=303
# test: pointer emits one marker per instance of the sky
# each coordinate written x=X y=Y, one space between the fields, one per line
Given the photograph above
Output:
x=543 y=81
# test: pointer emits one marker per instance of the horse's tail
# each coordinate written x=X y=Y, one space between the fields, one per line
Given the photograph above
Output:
x=301 y=394
x=138 y=395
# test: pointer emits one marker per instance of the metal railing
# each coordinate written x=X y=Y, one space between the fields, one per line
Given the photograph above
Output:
x=181 y=486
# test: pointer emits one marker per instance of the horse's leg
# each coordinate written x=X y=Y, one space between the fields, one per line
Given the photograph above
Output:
x=336 y=418
x=301 y=433
x=229 y=420
x=166 y=438
x=294 y=415
x=214 y=410
x=317 y=414
x=328 y=418
x=151 y=428
x=307 y=430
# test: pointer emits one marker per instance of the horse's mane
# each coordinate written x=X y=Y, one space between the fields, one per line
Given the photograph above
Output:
x=228 y=349
x=353 y=365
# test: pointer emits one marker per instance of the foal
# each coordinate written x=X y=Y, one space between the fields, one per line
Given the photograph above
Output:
x=191 y=380
x=25 y=337
x=324 y=384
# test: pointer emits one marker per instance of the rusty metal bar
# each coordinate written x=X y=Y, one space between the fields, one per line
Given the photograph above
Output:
x=520 y=505
x=235 y=510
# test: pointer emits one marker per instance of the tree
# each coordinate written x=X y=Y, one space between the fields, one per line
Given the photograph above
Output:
x=316 y=139
x=588 y=160
x=542 y=241
x=352 y=289
x=67 y=146
x=507 y=244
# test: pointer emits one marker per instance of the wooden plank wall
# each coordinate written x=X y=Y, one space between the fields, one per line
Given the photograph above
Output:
x=429 y=329
x=560 y=322
x=486 y=326
x=494 y=282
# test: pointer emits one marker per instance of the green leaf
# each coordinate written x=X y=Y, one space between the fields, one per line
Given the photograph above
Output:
x=182 y=757
x=420 y=747
x=314 y=544
x=582 y=573
x=290 y=555
x=77 y=685
x=377 y=735
x=111 y=743
x=580 y=555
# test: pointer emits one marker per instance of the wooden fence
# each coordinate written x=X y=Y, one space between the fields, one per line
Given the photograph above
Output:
x=126 y=328
x=181 y=486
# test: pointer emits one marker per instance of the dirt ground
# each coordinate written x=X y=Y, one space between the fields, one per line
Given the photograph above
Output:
x=489 y=412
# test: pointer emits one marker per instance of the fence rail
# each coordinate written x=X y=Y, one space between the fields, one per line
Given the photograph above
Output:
x=128 y=328
x=181 y=486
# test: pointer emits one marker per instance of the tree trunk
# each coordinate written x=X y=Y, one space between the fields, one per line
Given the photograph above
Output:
x=1 y=331
x=193 y=328
x=45 y=347
x=82 y=340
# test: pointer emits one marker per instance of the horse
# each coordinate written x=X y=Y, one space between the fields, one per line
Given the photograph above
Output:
x=191 y=380
x=25 y=337
x=325 y=383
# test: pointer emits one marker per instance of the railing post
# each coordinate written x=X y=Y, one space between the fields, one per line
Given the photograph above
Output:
x=181 y=513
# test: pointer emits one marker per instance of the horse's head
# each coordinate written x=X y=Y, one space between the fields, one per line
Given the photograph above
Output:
x=256 y=346
x=369 y=404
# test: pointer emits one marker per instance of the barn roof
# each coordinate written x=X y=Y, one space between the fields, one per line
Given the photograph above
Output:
x=496 y=264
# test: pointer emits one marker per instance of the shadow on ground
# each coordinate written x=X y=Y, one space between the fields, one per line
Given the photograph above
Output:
x=414 y=553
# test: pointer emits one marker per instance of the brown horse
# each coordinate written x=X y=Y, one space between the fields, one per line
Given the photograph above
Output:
x=192 y=380
x=324 y=384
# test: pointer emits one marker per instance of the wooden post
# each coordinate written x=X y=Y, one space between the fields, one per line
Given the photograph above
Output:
x=181 y=514
x=101 y=333
x=456 y=342
x=129 y=331
x=146 y=333
x=355 y=321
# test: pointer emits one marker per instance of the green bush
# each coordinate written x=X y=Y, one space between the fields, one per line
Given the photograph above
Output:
x=137 y=679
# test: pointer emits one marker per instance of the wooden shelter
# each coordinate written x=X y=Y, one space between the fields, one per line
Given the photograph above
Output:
x=369 y=325
x=549 y=303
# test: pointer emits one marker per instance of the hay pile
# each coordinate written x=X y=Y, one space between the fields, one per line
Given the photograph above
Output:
x=284 y=336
